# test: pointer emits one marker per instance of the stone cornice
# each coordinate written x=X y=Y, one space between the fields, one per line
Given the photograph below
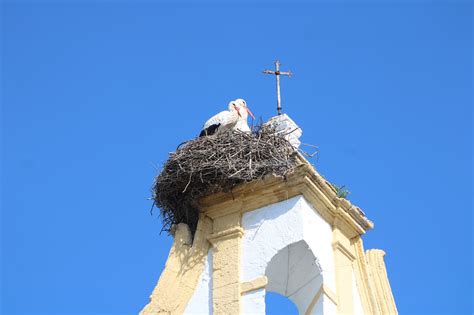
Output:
x=339 y=246
x=229 y=233
x=303 y=180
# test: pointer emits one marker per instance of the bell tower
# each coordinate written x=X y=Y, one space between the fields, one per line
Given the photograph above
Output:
x=293 y=235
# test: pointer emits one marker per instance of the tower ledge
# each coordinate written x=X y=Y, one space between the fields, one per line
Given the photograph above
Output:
x=303 y=180
x=249 y=240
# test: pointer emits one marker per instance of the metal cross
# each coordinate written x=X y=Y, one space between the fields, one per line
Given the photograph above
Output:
x=277 y=73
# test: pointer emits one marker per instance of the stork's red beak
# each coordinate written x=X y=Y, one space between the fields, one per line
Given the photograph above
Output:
x=250 y=113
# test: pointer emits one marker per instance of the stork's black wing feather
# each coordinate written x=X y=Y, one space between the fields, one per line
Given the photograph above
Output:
x=209 y=130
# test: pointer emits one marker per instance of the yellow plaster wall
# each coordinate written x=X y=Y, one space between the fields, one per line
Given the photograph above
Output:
x=220 y=225
x=226 y=271
x=182 y=270
x=363 y=279
x=343 y=259
x=378 y=272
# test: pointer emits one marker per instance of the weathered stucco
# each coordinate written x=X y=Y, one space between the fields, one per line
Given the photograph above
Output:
x=290 y=244
x=293 y=236
x=197 y=304
x=182 y=272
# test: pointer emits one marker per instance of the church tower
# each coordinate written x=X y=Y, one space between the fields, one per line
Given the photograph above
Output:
x=295 y=235
x=291 y=236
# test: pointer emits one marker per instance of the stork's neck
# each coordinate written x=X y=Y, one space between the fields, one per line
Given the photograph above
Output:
x=243 y=114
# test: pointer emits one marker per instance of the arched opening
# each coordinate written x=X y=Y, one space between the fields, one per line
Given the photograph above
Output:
x=278 y=304
x=294 y=272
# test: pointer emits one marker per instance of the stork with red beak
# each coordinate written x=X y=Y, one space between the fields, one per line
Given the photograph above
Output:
x=235 y=118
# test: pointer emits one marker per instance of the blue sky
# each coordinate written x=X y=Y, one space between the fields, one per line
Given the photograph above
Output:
x=95 y=95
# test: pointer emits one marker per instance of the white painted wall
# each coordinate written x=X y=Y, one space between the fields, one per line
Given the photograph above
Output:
x=201 y=301
x=286 y=127
x=267 y=232
x=253 y=302
x=324 y=306
x=295 y=273
x=291 y=244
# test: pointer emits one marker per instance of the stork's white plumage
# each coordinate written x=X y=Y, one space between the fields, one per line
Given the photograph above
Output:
x=235 y=118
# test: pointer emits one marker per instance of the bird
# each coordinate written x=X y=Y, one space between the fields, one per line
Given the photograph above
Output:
x=235 y=118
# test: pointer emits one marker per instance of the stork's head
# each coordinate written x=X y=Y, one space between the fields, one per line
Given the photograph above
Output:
x=242 y=109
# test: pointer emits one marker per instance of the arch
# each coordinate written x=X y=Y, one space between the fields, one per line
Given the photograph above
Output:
x=295 y=273
x=293 y=227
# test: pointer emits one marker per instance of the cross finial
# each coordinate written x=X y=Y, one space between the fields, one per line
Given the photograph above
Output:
x=277 y=73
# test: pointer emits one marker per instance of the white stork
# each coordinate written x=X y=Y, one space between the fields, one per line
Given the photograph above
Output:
x=235 y=118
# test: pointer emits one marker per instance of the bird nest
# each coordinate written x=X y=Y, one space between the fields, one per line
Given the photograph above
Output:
x=217 y=163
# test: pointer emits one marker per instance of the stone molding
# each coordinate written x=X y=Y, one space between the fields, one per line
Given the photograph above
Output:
x=303 y=180
x=337 y=245
x=364 y=280
x=376 y=264
x=229 y=233
x=255 y=284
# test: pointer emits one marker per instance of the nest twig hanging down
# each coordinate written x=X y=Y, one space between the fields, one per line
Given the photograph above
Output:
x=216 y=163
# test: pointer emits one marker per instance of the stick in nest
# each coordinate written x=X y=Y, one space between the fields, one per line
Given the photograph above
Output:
x=217 y=163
